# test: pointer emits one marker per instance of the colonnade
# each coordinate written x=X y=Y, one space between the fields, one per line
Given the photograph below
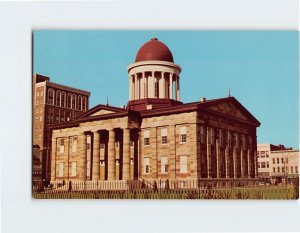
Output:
x=154 y=84
x=224 y=159
x=109 y=161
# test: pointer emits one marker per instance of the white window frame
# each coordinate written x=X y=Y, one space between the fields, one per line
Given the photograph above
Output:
x=74 y=144
x=182 y=135
x=61 y=169
x=183 y=162
x=74 y=169
x=164 y=136
x=146 y=134
x=164 y=165
x=147 y=163
x=61 y=146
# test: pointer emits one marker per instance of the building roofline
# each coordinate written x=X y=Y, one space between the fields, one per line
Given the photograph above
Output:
x=79 y=91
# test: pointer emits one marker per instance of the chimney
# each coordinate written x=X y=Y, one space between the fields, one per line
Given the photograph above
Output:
x=203 y=99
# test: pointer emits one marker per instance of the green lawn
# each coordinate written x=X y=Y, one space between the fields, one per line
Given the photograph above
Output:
x=259 y=192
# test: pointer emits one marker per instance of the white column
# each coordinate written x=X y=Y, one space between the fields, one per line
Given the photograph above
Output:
x=154 y=81
x=145 y=85
x=142 y=87
x=130 y=88
x=163 y=81
x=133 y=87
x=138 y=93
x=177 y=88
x=170 y=87
x=160 y=91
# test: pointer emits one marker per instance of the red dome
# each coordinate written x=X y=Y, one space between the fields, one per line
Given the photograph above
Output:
x=154 y=50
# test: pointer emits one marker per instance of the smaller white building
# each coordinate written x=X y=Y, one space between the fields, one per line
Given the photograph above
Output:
x=285 y=163
x=277 y=161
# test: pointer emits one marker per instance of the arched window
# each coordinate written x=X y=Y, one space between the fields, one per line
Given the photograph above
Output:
x=50 y=96
x=79 y=104
x=74 y=101
x=69 y=100
x=63 y=99
x=83 y=103
x=58 y=98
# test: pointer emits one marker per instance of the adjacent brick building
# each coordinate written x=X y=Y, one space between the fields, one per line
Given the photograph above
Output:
x=52 y=103
x=156 y=136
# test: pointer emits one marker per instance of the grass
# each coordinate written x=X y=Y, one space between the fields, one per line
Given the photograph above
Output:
x=256 y=193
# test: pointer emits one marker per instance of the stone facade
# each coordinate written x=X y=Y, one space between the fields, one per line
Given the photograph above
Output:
x=184 y=143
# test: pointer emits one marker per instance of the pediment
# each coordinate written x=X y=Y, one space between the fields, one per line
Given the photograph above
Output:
x=100 y=110
x=229 y=109
x=232 y=108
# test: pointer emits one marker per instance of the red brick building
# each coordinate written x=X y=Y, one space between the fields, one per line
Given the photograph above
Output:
x=52 y=103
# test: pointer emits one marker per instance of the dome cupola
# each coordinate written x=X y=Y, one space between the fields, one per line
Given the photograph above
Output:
x=153 y=77
x=154 y=50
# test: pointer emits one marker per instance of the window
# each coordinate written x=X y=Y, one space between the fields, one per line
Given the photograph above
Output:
x=61 y=169
x=258 y=164
x=278 y=169
x=202 y=134
x=296 y=169
x=73 y=101
x=102 y=146
x=263 y=165
x=267 y=164
x=63 y=99
x=263 y=154
x=62 y=146
x=282 y=160
x=146 y=165
x=267 y=154
x=117 y=144
x=51 y=96
x=164 y=136
x=146 y=137
x=182 y=134
x=282 y=169
x=277 y=160
x=292 y=170
x=74 y=144
x=83 y=103
x=79 y=104
x=273 y=160
x=274 y=170
x=73 y=169
x=57 y=98
x=164 y=164
x=62 y=115
x=183 y=164
x=69 y=100
x=88 y=142
x=131 y=143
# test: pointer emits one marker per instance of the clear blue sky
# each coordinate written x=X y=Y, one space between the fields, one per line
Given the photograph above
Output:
x=261 y=68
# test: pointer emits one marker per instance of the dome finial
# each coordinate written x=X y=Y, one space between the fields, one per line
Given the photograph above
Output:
x=154 y=35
